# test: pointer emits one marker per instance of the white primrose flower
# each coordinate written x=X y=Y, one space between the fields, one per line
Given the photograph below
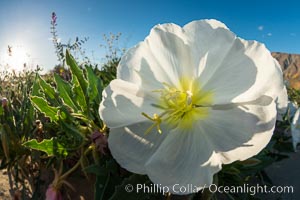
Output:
x=187 y=100
x=283 y=105
x=295 y=129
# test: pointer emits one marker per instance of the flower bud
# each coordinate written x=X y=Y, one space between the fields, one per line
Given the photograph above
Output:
x=4 y=102
x=100 y=140
x=53 y=17
x=53 y=194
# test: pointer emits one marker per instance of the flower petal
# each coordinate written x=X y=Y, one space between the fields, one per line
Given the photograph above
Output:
x=123 y=104
x=171 y=52
x=210 y=40
x=267 y=76
x=184 y=158
x=282 y=104
x=292 y=108
x=295 y=129
x=164 y=56
x=131 y=147
x=235 y=70
x=244 y=130
x=193 y=156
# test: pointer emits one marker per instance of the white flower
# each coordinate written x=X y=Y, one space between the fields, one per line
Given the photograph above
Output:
x=295 y=129
x=291 y=109
x=187 y=100
x=282 y=103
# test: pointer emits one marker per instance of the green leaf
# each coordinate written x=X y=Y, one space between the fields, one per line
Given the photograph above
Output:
x=76 y=71
x=79 y=94
x=100 y=186
x=72 y=131
x=4 y=138
x=232 y=170
x=107 y=177
x=250 y=162
x=50 y=146
x=36 y=87
x=64 y=114
x=93 y=90
x=42 y=105
x=49 y=91
x=65 y=92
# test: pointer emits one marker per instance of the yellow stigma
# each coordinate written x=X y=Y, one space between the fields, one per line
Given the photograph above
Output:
x=182 y=105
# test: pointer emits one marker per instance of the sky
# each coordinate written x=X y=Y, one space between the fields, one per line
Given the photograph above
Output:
x=25 y=24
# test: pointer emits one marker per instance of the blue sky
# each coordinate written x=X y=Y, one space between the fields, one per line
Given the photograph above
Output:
x=26 y=23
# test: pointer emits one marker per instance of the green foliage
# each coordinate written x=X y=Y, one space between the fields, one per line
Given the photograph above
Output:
x=50 y=146
x=17 y=124
x=294 y=95
x=42 y=105
x=70 y=105
x=64 y=90
x=71 y=108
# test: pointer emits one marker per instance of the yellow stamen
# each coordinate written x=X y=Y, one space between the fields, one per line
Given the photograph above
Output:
x=156 y=119
x=181 y=106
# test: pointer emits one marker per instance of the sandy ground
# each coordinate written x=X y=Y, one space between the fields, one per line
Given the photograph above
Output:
x=4 y=186
x=283 y=173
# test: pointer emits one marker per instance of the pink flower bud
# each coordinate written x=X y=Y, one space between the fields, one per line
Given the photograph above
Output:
x=100 y=140
x=4 y=102
x=54 y=17
x=53 y=194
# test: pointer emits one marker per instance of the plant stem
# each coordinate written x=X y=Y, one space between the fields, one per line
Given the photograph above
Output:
x=70 y=171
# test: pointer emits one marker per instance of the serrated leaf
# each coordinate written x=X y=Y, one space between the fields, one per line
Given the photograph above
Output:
x=65 y=114
x=93 y=90
x=76 y=71
x=79 y=94
x=36 y=87
x=49 y=91
x=42 y=105
x=50 y=146
x=65 y=92
x=72 y=131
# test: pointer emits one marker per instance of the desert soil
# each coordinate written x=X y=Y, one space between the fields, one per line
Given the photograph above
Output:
x=4 y=186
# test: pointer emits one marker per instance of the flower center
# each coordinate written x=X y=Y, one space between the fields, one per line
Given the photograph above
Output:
x=181 y=106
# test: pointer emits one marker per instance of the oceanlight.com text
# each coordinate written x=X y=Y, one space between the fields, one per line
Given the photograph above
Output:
x=251 y=189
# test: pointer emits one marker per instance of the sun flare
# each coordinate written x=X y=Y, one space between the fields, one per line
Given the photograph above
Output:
x=15 y=58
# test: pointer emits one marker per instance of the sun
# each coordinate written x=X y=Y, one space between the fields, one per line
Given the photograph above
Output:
x=15 y=58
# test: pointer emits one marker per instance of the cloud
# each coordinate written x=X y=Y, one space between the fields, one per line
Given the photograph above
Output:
x=260 y=28
x=269 y=34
